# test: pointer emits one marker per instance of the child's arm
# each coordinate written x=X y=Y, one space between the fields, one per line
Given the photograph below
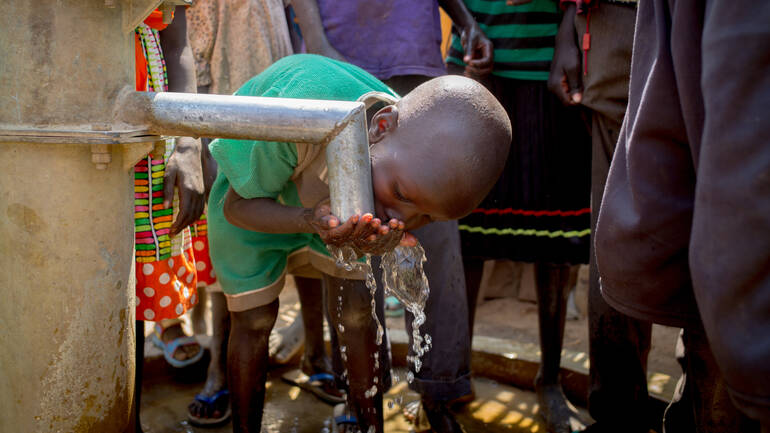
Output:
x=478 y=48
x=365 y=233
x=565 y=77
x=309 y=19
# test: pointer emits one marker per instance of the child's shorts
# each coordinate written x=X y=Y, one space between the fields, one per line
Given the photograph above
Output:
x=252 y=266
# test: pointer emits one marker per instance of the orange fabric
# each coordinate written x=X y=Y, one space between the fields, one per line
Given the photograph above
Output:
x=155 y=21
x=141 y=65
x=204 y=270
x=166 y=289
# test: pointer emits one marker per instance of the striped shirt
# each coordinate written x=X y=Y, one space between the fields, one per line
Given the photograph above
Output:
x=523 y=36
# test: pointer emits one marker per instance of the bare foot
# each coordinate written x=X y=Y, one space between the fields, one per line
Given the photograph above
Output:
x=559 y=414
x=183 y=352
x=287 y=342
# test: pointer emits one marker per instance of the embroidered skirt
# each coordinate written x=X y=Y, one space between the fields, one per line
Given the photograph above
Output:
x=539 y=210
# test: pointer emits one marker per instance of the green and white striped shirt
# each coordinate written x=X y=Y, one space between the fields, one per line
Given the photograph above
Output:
x=523 y=36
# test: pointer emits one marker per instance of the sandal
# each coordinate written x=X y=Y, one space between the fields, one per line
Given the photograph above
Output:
x=322 y=385
x=170 y=348
x=343 y=420
x=220 y=400
x=416 y=416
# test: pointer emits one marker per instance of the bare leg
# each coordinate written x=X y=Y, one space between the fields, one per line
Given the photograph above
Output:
x=216 y=376
x=358 y=342
x=247 y=364
x=198 y=314
x=315 y=359
x=551 y=281
x=136 y=424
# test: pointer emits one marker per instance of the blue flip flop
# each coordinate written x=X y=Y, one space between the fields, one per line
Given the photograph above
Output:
x=170 y=348
x=211 y=401
x=314 y=384
x=342 y=418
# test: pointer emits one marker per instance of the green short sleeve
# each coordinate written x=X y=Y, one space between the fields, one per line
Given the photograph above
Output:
x=255 y=169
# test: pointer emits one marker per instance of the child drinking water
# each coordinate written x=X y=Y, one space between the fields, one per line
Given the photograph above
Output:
x=435 y=154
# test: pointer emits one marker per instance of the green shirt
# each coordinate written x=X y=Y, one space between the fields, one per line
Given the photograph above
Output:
x=523 y=36
x=290 y=173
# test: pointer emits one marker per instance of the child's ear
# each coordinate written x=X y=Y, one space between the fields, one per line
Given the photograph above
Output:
x=383 y=122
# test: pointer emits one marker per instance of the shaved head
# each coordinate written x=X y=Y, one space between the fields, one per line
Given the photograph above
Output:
x=444 y=146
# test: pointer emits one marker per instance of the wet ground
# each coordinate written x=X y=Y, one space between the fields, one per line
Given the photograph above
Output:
x=288 y=409
x=497 y=408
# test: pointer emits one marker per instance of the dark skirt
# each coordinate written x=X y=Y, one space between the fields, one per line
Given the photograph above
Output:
x=539 y=210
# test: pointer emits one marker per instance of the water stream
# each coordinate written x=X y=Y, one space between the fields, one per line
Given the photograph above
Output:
x=403 y=277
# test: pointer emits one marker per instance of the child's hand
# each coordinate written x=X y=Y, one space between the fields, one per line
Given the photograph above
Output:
x=355 y=230
x=366 y=234
x=565 y=78
x=479 y=52
x=387 y=237
x=408 y=240
x=183 y=171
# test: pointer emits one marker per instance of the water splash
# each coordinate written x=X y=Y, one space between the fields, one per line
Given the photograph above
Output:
x=345 y=256
x=371 y=392
x=347 y=259
x=404 y=277
x=371 y=284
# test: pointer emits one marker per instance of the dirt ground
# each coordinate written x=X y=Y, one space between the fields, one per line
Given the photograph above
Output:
x=498 y=408
x=509 y=317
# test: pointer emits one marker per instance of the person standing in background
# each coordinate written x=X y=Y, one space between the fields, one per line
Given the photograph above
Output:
x=166 y=277
x=683 y=236
x=539 y=210
x=596 y=76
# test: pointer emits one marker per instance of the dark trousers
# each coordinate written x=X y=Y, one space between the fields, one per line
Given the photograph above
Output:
x=445 y=373
x=701 y=402
x=618 y=344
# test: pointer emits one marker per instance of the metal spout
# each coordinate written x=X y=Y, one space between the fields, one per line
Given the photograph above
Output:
x=350 y=170
x=341 y=124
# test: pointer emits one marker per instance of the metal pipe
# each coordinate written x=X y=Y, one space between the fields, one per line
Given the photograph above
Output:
x=350 y=170
x=341 y=124
x=239 y=117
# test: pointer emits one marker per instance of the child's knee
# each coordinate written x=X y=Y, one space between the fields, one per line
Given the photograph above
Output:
x=256 y=320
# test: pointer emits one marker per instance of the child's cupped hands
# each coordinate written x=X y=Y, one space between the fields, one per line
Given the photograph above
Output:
x=365 y=233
